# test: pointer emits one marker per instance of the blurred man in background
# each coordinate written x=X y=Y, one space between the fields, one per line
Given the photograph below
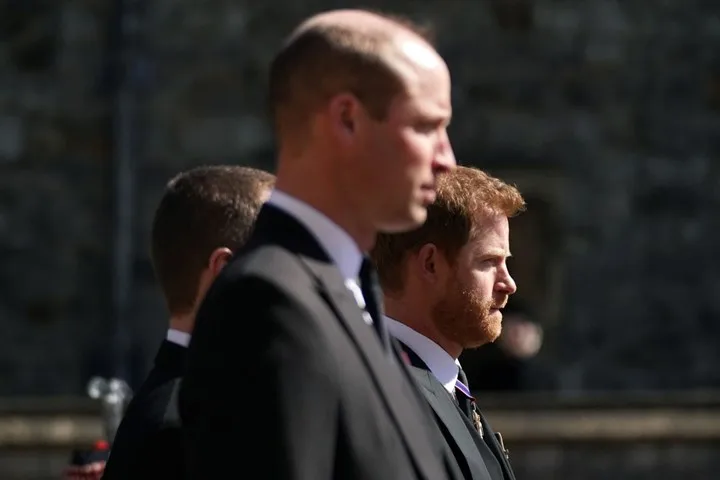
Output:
x=205 y=215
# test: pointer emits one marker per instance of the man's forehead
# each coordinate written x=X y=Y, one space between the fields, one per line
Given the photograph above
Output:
x=420 y=67
x=491 y=232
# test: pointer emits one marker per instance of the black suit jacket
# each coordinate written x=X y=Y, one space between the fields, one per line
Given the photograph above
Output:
x=148 y=443
x=479 y=458
x=284 y=377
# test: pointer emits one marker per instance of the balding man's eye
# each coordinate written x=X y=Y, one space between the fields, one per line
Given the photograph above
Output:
x=427 y=127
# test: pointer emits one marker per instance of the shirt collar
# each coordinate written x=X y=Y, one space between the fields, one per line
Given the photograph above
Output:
x=443 y=367
x=178 y=337
x=341 y=248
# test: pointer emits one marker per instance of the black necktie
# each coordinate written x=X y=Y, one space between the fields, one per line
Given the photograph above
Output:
x=370 y=288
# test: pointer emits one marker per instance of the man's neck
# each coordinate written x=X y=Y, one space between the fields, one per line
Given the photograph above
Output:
x=434 y=357
x=419 y=320
x=183 y=322
x=325 y=196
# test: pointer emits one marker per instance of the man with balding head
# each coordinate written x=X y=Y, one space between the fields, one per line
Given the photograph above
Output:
x=360 y=103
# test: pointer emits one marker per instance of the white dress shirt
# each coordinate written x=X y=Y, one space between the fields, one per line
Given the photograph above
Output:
x=441 y=364
x=178 y=337
x=341 y=248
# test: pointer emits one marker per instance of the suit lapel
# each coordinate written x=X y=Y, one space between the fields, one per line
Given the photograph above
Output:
x=275 y=227
x=453 y=418
x=387 y=377
x=448 y=413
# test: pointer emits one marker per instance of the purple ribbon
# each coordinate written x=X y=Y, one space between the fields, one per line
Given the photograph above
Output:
x=464 y=389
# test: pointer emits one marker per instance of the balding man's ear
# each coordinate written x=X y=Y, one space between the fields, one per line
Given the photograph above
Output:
x=343 y=111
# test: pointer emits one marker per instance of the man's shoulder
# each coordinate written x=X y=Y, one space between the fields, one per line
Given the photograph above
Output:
x=151 y=416
x=152 y=405
x=270 y=265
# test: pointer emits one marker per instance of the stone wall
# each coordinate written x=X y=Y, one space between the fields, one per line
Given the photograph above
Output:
x=625 y=437
x=551 y=462
x=617 y=100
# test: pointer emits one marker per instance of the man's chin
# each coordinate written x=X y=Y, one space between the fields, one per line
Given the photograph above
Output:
x=482 y=338
x=413 y=219
x=493 y=327
x=417 y=215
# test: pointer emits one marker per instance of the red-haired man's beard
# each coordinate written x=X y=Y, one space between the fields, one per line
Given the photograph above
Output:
x=466 y=319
